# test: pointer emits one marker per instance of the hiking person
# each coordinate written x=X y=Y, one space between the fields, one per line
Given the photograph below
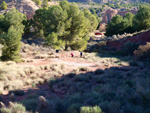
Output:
x=81 y=53
x=72 y=54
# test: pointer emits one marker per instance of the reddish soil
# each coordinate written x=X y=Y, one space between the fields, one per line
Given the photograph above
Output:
x=139 y=39
x=65 y=58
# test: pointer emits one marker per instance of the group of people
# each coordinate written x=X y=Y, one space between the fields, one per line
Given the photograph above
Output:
x=72 y=55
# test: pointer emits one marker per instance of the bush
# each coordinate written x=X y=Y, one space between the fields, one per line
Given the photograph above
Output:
x=18 y=108
x=87 y=109
x=14 y=108
x=99 y=71
x=30 y=104
x=143 y=52
x=4 y=5
x=129 y=48
x=38 y=2
x=5 y=110
x=83 y=68
x=74 y=108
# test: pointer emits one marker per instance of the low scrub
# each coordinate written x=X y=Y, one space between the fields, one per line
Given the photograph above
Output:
x=143 y=52
x=88 y=109
x=14 y=108
x=129 y=48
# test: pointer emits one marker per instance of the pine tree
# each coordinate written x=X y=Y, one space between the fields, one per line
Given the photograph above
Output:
x=11 y=38
x=70 y=25
x=4 y=5
x=141 y=20
x=12 y=42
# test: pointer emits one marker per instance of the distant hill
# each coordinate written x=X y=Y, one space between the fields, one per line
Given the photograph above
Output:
x=110 y=1
x=27 y=7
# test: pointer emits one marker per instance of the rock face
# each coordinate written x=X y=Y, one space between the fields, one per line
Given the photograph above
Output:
x=139 y=39
x=109 y=14
x=27 y=7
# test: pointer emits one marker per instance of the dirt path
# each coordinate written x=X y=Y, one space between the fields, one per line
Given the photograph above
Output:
x=66 y=59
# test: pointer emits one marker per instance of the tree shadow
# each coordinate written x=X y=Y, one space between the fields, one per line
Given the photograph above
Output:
x=111 y=89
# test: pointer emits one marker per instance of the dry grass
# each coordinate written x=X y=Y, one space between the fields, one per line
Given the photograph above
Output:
x=13 y=85
x=15 y=76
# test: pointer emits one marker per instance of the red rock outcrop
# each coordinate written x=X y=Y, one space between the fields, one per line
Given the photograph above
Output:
x=27 y=7
x=139 y=39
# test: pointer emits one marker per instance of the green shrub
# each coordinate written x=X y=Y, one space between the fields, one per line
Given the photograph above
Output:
x=87 y=109
x=74 y=108
x=4 y=5
x=14 y=108
x=129 y=48
x=133 y=63
x=18 y=108
x=38 y=2
x=143 y=52
x=30 y=104
x=45 y=3
x=83 y=69
x=17 y=92
x=5 y=110
x=99 y=71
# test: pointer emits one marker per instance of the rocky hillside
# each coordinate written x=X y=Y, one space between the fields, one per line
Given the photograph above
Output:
x=28 y=7
x=110 y=13
x=110 y=1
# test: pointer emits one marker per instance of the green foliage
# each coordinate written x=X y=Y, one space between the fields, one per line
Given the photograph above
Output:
x=14 y=108
x=30 y=104
x=4 y=5
x=74 y=108
x=11 y=34
x=114 y=26
x=119 y=24
x=18 y=108
x=129 y=48
x=11 y=48
x=2 y=26
x=45 y=4
x=52 y=40
x=142 y=19
x=129 y=23
x=5 y=110
x=15 y=18
x=92 y=20
x=87 y=109
x=65 y=25
x=38 y=2
x=143 y=52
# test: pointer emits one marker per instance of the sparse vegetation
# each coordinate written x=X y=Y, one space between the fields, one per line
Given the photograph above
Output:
x=51 y=81
x=143 y=52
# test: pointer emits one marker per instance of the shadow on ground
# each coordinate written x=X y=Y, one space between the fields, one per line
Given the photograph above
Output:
x=114 y=90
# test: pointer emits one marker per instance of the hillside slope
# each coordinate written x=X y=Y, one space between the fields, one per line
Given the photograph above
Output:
x=27 y=7
x=110 y=1
x=140 y=39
